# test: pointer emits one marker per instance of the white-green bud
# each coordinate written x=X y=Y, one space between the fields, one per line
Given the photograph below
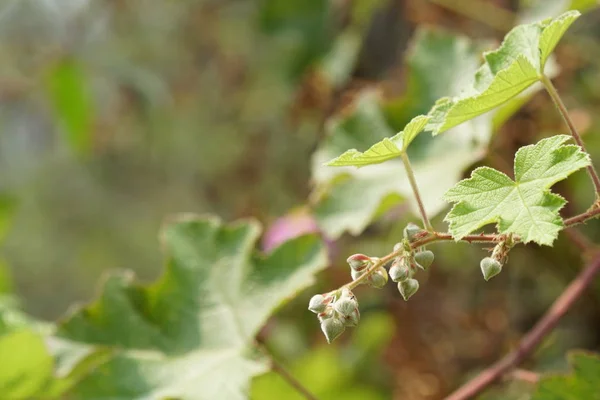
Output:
x=490 y=268
x=356 y=274
x=424 y=259
x=332 y=328
x=317 y=303
x=378 y=278
x=408 y=288
x=352 y=319
x=358 y=262
x=345 y=306
x=327 y=314
x=411 y=231
x=399 y=271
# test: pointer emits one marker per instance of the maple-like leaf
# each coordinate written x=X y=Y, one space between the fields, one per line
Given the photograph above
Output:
x=523 y=206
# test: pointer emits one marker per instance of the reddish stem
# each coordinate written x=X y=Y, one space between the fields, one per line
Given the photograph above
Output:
x=530 y=341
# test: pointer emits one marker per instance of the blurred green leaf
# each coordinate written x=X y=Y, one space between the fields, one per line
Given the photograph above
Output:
x=348 y=199
x=582 y=383
x=7 y=209
x=26 y=367
x=191 y=334
x=67 y=91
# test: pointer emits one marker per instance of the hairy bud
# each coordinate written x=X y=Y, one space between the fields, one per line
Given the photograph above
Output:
x=400 y=271
x=378 y=278
x=332 y=328
x=345 y=306
x=408 y=288
x=352 y=319
x=317 y=303
x=424 y=259
x=359 y=262
x=411 y=231
x=490 y=268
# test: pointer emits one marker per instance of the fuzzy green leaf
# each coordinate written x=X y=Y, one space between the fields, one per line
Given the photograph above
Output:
x=347 y=198
x=190 y=335
x=513 y=67
x=384 y=150
x=524 y=206
x=582 y=383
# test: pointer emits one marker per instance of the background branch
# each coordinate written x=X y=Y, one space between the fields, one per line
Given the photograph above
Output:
x=533 y=338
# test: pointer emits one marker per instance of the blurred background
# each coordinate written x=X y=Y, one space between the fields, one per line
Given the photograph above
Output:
x=117 y=113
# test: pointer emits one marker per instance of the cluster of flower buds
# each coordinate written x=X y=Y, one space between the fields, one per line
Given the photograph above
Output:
x=360 y=263
x=406 y=263
x=336 y=311
x=491 y=266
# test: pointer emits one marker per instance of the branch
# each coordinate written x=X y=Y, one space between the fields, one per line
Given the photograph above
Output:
x=430 y=237
x=415 y=189
x=530 y=341
x=581 y=218
x=565 y=114
x=284 y=373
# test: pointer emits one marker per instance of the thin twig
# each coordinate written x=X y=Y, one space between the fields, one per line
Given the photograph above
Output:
x=415 y=189
x=285 y=374
x=530 y=341
x=430 y=238
x=581 y=218
x=565 y=114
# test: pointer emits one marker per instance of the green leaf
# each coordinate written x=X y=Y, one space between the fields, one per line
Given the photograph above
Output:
x=348 y=199
x=582 y=383
x=190 y=335
x=26 y=367
x=68 y=93
x=524 y=206
x=513 y=67
x=384 y=150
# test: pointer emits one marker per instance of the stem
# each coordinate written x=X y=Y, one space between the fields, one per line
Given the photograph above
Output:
x=415 y=188
x=530 y=341
x=430 y=238
x=581 y=218
x=565 y=114
x=285 y=374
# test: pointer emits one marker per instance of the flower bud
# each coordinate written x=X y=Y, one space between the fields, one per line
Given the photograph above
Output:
x=399 y=271
x=352 y=319
x=358 y=262
x=411 y=231
x=490 y=268
x=424 y=259
x=345 y=306
x=317 y=303
x=408 y=288
x=327 y=314
x=356 y=274
x=332 y=328
x=397 y=246
x=378 y=278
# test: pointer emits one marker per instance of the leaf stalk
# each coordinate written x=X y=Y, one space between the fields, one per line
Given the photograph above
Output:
x=565 y=115
x=415 y=188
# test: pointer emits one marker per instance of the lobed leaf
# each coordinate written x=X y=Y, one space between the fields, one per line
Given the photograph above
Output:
x=348 y=199
x=524 y=206
x=517 y=64
x=190 y=335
